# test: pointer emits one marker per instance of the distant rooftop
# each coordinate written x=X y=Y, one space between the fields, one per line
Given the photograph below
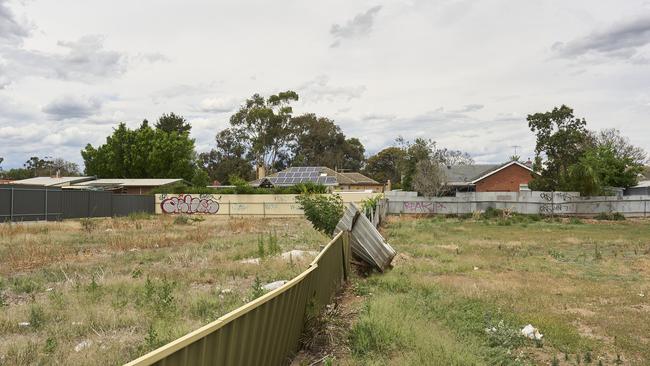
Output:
x=314 y=174
x=132 y=182
x=53 y=181
x=462 y=175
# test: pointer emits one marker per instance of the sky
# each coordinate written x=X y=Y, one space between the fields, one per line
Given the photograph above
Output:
x=463 y=73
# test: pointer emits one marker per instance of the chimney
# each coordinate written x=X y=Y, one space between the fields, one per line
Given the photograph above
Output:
x=388 y=185
x=261 y=172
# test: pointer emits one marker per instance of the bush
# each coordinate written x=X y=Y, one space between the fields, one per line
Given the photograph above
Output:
x=370 y=204
x=324 y=212
x=611 y=216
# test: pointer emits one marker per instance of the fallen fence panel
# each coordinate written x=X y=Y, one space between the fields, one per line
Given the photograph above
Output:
x=267 y=330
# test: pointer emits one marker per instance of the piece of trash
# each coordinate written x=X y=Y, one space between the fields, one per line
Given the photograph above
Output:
x=642 y=295
x=77 y=323
x=108 y=230
x=82 y=345
x=273 y=285
x=490 y=330
x=23 y=324
x=49 y=289
x=475 y=268
x=226 y=291
x=250 y=261
x=531 y=332
x=298 y=254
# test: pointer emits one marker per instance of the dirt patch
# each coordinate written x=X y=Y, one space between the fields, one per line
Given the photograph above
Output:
x=401 y=258
x=325 y=338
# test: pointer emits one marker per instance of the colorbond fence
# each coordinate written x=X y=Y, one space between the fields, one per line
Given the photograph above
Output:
x=267 y=330
x=31 y=203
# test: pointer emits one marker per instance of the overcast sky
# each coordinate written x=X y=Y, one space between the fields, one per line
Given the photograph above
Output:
x=464 y=73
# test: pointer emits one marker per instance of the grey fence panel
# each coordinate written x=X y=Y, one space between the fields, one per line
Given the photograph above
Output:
x=5 y=204
x=124 y=204
x=100 y=204
x=75 y=204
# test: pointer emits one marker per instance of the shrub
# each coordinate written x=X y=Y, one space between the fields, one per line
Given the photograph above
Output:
x=610 y=216
x=370 y=204
x=181 y=220
x=324 y=212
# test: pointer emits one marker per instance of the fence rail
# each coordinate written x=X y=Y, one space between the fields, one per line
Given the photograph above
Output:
x=32 y=203
x=265 y=331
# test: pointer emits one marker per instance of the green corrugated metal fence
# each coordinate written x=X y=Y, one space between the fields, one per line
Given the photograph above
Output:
x=266 y=331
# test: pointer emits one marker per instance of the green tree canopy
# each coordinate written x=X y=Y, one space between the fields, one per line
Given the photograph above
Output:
x=320 y=142
x=142 y=153
x=228 y=159
x=173 y=123
x=385 y=165
x=265 y=127
x=562 y=139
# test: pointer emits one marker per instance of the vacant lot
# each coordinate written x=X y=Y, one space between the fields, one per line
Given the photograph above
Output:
x=105 y=291
x=461 y=291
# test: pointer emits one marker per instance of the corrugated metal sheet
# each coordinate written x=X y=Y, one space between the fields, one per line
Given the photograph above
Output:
x=366 y=242
x=266 y=331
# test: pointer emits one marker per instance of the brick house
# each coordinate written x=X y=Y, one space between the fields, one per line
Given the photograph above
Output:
x=506 y=177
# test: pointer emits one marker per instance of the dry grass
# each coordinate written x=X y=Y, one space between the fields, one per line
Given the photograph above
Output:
x=117 y=288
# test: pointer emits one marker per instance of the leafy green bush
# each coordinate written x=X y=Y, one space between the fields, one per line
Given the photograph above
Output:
x=181 y=220
x=370 y=204
x=324 y=212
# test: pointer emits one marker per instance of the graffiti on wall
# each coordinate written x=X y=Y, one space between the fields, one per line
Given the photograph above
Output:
x=189 y=205
x=553 y=207
x=423 y=207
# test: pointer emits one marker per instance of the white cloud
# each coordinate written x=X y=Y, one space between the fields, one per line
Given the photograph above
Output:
x=218 y=105
x=69 y=107
x=621 y=40
x=319 y=89
x=357 y=27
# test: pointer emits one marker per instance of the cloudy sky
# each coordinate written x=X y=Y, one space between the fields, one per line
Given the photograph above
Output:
x=464 y=73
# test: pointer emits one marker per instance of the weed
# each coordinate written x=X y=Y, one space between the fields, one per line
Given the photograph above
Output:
x=610 y=216
x=25 y=285
x=197 y=218
x=588 y=357
x=597 y=253
x=555 y=254
x=181 y=220
x=159 y=297
x=36 y=316
x=503 y=335
x=136 y=273
x=50 y=345
x=555 y=361
x=575 y=221
x=257 y=289
x=88 y=225
x=152 y=340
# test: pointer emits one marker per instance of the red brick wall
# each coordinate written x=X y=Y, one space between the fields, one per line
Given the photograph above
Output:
x=505 y=180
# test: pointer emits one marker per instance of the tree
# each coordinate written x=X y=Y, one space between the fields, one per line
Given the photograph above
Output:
x=563 y=140
x=173 y=123
x=323 y=211
x=429 y=178
x=416 y=151
x=386 y=165
x=265 y=124
x=610 y=167
x=227 y=159
x=318 y=141
x=200 y=178
x=621 y=146
x=142 y=153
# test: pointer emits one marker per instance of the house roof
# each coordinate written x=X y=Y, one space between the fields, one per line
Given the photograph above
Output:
x=52 y=181
x=131 y=182
x=642 y=184
x=316 y=174
x=461 y=175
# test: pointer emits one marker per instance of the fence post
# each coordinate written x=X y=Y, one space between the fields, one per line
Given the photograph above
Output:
x=11 y=209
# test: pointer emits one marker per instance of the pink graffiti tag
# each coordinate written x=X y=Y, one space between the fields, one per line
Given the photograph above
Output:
x=187 y=204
